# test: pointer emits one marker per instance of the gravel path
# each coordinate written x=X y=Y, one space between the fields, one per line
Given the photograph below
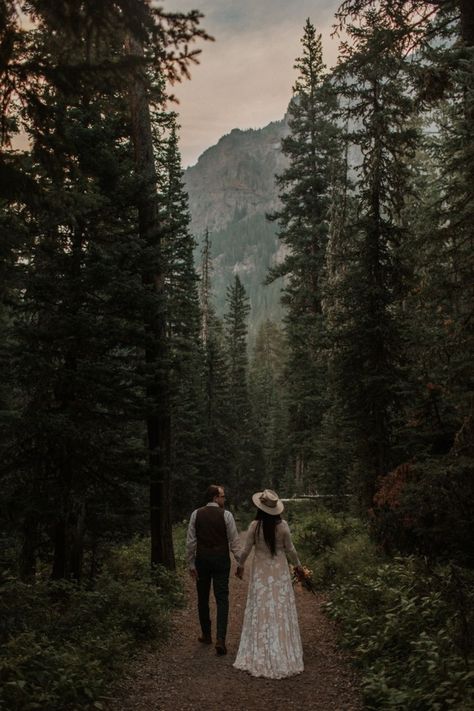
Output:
x=184 y=675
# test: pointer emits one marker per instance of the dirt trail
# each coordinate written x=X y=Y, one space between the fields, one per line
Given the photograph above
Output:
x=184 y=675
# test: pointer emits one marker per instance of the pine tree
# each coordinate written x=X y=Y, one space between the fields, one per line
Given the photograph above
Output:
x=373 y=78
x=439 y=332
x=184 y=324
x=215 y=380
x=430 y=420
x=241 y=463
x=176 y=31
x=70 y=433
x=75 y=268
x=303 y=221
x=454 y=233
x=334 y=444
x=205 y=290
x=269 y=406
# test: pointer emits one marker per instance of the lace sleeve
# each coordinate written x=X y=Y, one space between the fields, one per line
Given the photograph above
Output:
x=288 y=545
x=249 y=541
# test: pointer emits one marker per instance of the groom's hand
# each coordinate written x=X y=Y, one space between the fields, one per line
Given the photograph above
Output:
x=193 y=573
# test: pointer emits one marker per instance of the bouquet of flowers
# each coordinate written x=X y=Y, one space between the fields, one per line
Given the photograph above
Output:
x=304 y=576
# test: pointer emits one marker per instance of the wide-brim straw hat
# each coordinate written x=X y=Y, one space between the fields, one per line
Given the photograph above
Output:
x=268 y=501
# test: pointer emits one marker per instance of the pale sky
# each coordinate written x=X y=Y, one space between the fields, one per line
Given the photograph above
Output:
x=244 y=78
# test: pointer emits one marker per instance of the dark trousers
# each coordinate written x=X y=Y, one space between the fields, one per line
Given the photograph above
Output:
x=214 y=568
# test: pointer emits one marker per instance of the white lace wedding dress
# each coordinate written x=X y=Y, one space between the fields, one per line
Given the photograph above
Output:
x=270 y=643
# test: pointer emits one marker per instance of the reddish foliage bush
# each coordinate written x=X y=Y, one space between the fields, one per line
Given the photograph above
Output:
x=427 y=507
x=392 y=486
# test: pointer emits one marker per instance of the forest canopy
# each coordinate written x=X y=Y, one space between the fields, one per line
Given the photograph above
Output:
x=124 y=394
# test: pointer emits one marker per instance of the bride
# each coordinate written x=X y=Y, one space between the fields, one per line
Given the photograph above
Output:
x=270 y=643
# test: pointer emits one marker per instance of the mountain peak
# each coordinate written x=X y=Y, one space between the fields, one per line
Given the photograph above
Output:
x=231 y=189
x=235 y=176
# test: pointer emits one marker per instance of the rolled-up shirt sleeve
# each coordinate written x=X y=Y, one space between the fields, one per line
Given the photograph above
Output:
x=191 y=542
x=232 y=535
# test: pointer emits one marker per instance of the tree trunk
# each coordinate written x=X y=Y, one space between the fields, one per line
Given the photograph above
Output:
x=28 y=548
x=59 y=570
x=69 y=544
x=467 y=22
x=299 y=472
x=69 y=528
x=205 y=289
x=76 y=531
x=156 y=356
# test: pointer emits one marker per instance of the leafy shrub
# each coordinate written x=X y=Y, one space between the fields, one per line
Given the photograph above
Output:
x=409 y=625
x=132 y=562
x=333 y=545
x=350 y=555
x=319 y=530
x=140 y=610
x=62 y=643
x=36 y=674
x=410 y=629
x=179 y=539
x=323 y=531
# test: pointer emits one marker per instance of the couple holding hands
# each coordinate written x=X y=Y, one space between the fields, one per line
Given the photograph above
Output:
x=270 y=643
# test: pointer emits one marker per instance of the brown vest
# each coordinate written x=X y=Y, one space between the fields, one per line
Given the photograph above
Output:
x=211 y=532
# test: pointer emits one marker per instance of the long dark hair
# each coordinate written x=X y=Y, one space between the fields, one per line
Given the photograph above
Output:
x=268 y=523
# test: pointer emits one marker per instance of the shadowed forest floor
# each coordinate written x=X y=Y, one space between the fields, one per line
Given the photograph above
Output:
x=184 y=675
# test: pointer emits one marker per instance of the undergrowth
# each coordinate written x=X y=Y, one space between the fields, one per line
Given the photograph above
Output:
x=61 y=643
x=409 y=625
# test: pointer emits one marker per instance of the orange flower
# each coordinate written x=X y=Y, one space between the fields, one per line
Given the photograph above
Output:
x=304 y=576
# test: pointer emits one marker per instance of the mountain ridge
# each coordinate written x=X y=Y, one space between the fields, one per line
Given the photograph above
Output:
x=231 y=189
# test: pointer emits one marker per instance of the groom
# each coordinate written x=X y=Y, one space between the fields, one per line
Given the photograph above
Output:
x=211 y=532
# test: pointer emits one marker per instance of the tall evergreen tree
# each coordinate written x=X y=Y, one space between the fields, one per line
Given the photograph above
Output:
x=303 y=221
x=205 y=289
x=374 y=79
x=75 y=265
x=440 y=333
x=151 y=232
x=70 y=433
x=269 y=404
x=184 y=325
x=180 y=29
x=241 y=466
x=215 y=379
x=334 y=444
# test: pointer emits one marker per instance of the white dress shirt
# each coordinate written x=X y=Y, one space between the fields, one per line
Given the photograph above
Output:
x=232 y=536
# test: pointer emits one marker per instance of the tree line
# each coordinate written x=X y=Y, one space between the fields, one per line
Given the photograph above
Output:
x=376 y=215
x=123 y=393
x=112 y=401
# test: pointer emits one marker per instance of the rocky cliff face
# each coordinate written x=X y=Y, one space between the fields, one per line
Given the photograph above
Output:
x=235 y=178
x=231 y=188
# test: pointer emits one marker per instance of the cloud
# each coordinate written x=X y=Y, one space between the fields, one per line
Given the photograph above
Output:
x=245 y=77
x=246 y=15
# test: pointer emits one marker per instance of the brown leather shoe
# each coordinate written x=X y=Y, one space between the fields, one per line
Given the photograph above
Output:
x=205 y=639
x=220 y=647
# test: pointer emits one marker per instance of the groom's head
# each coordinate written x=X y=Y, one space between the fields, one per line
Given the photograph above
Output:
x=215 y=494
